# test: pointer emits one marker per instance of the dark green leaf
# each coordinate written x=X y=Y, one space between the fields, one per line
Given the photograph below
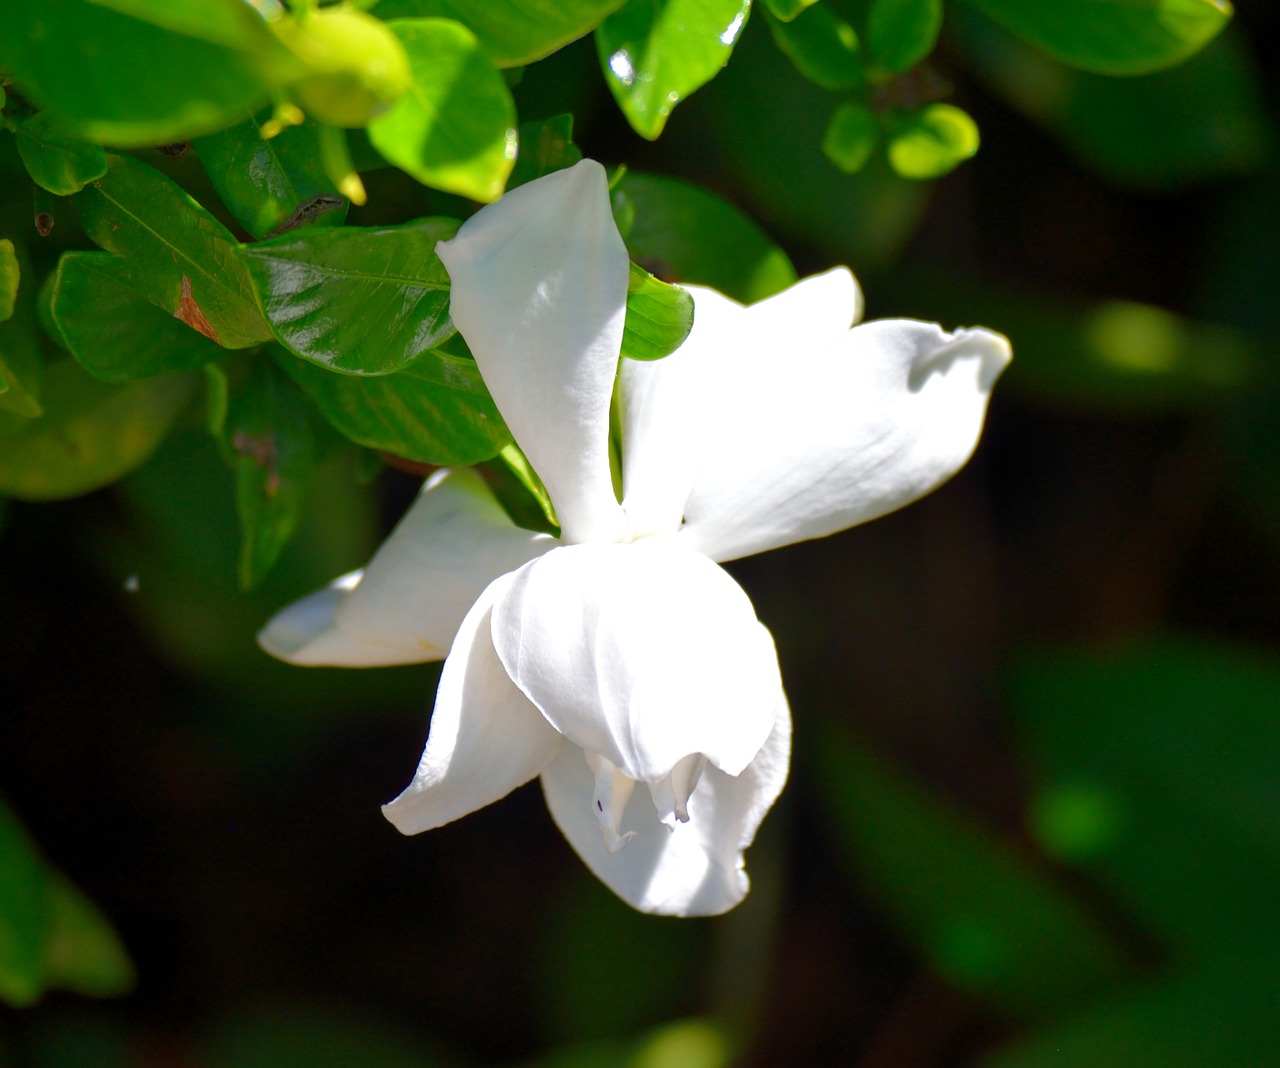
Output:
x=900 y=33
x=90 y=434
x=9 y=274
x=544 y=147
x=23 y=887
x=684 y=234
x=1113 y=36
x=181 y=258
x=659 y=317
x=851 y=137
x=436 y=411
x=21 y=365
x=931 y=141
x=822 y=46
x=786 y=10
x=363 y=301
x=512 y=32
x=138 y=73
x=455 y=128
x=654 y=53
x=274 y=437
x=115 y=333
x=985 y=917
x=56 y=160
x=82 y=952
x=263 y=182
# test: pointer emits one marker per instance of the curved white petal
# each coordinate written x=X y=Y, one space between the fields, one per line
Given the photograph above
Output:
x=486 y=738
x=539 y=291
x=643 y=653
x=405 y=607
x=813 y=312
x=808 y=443
x=695 y=869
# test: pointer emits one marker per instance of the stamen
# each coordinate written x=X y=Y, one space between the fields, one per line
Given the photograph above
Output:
x=671 y=795
x=612 y=792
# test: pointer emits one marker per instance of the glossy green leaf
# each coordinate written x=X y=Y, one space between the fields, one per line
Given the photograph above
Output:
x=91 y=433
x=274 y=438
x=456 y=127
x=1177 y=741
x=512 y=32
x=182 y=259
x=436 y=411
x=82 y=953
x=9 y=275
x=544 y=147
x=786 y=10
x=265 y=181
x=822 y=46
x=56 y=160
x=362 y=301
x=684 y=234
x=984 y=916
x=654 y=53
x=931 y=141
x=1113 y=36
x=851 y=136
x=111 y=329
x=23 y=887
x=900 y=33
x=659 y=317
x=139 y=73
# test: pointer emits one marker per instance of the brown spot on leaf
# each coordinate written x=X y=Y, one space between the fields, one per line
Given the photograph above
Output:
x=261 y=449
x=189 y=312
x=44 y=224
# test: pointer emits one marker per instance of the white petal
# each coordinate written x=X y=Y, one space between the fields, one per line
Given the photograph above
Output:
x=643 y=653
x=406 y=605
x=811 y=442
x=539 y=292
x=486 y=738
x=696 y=869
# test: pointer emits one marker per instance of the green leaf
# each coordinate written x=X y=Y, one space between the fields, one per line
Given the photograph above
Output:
x=984 y=916
x=1176 y=742
x=182 y=259
x=57 y=160
x=822 y=46
x=685 y=234
x=265 y=181
x=274 y=438
x=786 y=10
x=23 y=886
x=659 y=317
x=90 y=434
x=455 y=128
x=1113 y=36
x=851 y=137
x=360 y=300
x=82 y=952
x=436 y=411
x=133 y=74
x=654 y=53
x=8 y=279
x=545 y=147
x=931 y=141
x=900 y=33
x=111 y=329
x=512 y=32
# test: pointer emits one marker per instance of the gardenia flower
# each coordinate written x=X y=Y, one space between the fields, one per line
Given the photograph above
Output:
x=619 y=662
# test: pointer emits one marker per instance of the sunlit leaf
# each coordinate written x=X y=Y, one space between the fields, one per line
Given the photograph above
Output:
x=822 y=46
x=900 y=33
x=111 y=329
x=1113 y=36
x=181 y=258
x=654 y=53
x=659 y=317
x=851 y=137
x=931 y=141
x=56 y=160
x=787 y=9
x=363 y=301
x=512 y=32
x=9 y=275
x=456 y=127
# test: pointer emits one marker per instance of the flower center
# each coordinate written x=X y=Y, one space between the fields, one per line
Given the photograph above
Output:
x=613 y=790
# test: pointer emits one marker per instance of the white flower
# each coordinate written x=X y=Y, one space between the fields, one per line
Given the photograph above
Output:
x=621 y=654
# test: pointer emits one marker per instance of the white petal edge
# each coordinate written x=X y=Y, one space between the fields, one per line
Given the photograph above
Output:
x=808 y=443
x=698 y=868
x=406 y=605
x=643 y=653
x=539 y=291
x=486 y=739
